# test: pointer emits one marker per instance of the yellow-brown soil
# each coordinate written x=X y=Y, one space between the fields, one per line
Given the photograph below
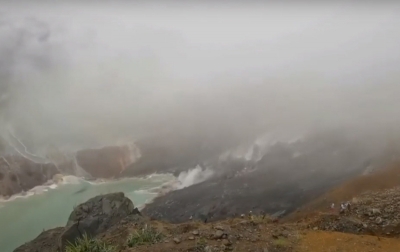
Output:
x=319 y=241
x=383 y=179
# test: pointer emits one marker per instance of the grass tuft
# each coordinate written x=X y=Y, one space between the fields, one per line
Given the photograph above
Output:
x=146 y=235
x=86 y=244
x=200 y=246
x=281 y=242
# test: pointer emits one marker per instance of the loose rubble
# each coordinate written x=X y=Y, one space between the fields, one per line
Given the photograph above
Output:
x=374 y=213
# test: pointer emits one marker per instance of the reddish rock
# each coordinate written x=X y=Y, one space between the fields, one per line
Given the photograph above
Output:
x=106 y=162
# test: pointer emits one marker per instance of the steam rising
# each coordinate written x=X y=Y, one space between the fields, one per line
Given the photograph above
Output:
x=81 y=75
x=193 y=176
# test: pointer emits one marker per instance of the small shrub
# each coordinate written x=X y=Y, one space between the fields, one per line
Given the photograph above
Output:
x=281 y=242
x=146 y=235
x=86 y=244
x=200 y=246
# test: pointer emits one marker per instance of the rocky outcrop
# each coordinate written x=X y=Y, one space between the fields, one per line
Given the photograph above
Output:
x=66 y=162
x=45 y=242
x=19 y=174
x=372 y=213
x=96 y=216
x=107 y=162
x=109 y=208
x=92 y=218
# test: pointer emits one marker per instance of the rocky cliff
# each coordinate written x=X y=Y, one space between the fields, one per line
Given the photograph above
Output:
x=21 y=170
x=107 y=162
x=19 y=174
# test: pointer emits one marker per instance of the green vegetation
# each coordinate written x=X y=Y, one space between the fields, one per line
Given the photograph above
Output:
x=281 y=242
x=86 y=244
x=200 y=245
x=146 y=235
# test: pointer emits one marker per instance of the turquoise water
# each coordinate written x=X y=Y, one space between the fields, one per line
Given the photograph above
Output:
x=22 y=219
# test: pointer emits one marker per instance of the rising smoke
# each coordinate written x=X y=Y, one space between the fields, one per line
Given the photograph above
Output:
x=193 y=176
x=78 y=75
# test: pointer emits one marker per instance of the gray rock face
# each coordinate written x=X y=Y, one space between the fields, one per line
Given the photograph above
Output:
x=45 y=242
x=19 y=174
x=106 y=207
x=92 y=218
x=96 y=216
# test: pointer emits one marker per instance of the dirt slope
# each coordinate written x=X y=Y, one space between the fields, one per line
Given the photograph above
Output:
x=244 y=235
x=381 y=180
x=318 y=241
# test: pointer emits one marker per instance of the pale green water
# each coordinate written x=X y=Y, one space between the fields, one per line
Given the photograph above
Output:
x=23 y=219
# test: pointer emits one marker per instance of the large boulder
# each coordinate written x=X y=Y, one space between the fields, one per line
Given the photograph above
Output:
x=96 y=216
x=92 y=218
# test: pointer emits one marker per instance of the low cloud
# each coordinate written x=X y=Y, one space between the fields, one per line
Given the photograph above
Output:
x=81 y=75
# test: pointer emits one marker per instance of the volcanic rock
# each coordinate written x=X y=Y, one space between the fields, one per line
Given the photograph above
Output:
x=91 y=218
x=107 y=162
x=19 y=174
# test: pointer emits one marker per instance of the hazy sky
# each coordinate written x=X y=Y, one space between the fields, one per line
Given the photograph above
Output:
x=79 y=72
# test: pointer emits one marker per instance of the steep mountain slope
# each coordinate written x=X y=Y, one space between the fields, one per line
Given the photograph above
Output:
x=386 y=178
x=288 y=175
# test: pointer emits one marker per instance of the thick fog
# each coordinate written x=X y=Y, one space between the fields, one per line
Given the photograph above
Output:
x=89 y=74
